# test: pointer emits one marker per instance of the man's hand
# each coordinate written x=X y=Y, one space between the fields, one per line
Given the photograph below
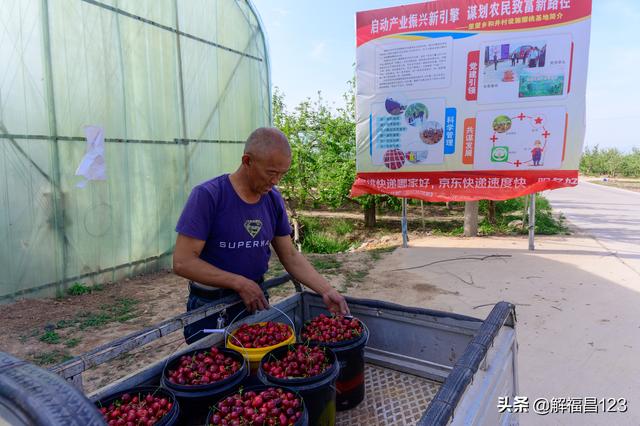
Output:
x=335 y=302
x=251 y=295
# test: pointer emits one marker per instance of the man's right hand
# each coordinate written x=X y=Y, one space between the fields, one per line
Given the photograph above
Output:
x=251 y=294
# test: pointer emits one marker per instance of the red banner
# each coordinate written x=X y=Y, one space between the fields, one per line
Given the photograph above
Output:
x=466 y=15
x=473 y=66
x=462 y=186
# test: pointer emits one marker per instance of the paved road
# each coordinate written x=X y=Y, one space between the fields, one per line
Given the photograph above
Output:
x=610 y=215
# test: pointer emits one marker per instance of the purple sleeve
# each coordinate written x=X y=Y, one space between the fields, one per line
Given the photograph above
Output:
x=283 y=227
x=197 y=216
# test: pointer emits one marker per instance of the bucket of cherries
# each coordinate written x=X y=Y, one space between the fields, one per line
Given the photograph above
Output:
x=257 y=339
x=200 y=376
x=140 y=406
x=260 y=405
x=311 y=371
x=346 y=336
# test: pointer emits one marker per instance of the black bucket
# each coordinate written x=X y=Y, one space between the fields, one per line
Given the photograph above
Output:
x=318 y=392
x=169 y=419
x=302 y=421
x=350 y=384
x=196 y=400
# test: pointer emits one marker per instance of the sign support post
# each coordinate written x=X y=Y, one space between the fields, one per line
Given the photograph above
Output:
x=532 y=221
x=405 y=236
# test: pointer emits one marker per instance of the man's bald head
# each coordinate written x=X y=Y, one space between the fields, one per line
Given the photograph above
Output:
x=266 y=140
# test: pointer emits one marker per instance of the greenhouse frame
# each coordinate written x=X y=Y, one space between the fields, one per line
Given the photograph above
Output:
x=176 y=87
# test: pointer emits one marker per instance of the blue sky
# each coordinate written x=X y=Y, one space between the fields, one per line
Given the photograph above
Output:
x=312 y=46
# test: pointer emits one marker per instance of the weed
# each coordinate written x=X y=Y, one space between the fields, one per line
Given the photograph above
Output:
x=94 y=320
x=325 y=236
x=454 y=228
x=78 y=289
x=122 y=310
x=65 y=323
x=376 y=254
x=72 y=343
x=355 y=277
x=53 y=357
x=50 y=337
x=325 y=263
x=546 y=224
x=323 y=242
x=342 y=227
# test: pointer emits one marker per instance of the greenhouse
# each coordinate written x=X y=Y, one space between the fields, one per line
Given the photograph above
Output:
x=170 y=89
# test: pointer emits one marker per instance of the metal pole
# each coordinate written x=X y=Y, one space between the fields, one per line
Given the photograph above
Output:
x=58 y=195
x=532 y=221
x=125 y=158
x=405 y=237
x=183 y=115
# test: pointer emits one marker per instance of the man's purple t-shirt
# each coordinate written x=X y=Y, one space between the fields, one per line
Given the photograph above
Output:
x=236 y=234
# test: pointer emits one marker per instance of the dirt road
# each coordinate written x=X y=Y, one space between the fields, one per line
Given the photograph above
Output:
x=578 y=327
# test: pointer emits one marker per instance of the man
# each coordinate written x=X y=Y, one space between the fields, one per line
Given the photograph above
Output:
x=227 y=226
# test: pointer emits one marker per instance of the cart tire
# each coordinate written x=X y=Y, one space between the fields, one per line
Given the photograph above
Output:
x=34 y=396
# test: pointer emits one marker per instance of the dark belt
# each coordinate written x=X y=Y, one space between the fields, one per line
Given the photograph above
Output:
x=214 y=293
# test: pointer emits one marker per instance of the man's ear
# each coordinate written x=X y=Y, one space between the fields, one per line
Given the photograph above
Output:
x=246 y=159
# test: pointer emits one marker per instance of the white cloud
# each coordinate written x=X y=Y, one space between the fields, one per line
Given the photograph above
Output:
x=319 y=50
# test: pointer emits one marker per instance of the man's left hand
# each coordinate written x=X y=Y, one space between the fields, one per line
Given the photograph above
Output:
x=335 y=302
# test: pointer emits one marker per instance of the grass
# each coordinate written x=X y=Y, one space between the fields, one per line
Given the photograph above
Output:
x=91 y=319
x=65 y=323
x=511 y=210
x=376 y=254
x=343 y=227
x=73 y=342
x=355 y=277
x=325 y=263
x=122 y=310
x=326 y=236
x=51 y=357
x=50 y=337
x=324 y=242
x=78 y=289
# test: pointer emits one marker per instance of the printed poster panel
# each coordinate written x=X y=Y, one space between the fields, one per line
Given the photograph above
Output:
x=470 y=99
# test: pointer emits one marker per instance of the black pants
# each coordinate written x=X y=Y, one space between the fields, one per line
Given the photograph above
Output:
x=198 y=297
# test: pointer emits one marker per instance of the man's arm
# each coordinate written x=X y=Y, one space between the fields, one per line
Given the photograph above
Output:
x=300 y=269
x=187 y=264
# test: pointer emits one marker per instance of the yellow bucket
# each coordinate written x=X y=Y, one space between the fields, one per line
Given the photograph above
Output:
x=254 y=355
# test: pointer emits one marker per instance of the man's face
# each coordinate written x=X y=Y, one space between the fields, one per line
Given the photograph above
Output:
x=266 y=171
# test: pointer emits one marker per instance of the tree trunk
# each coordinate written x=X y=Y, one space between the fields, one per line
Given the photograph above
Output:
x=370 y=215
x=491 y=212
x=448 y=205
x=470 y=218
x=293 y=217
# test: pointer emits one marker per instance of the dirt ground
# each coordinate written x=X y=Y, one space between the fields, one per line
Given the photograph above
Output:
x=623 y=183
x=50 y=331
